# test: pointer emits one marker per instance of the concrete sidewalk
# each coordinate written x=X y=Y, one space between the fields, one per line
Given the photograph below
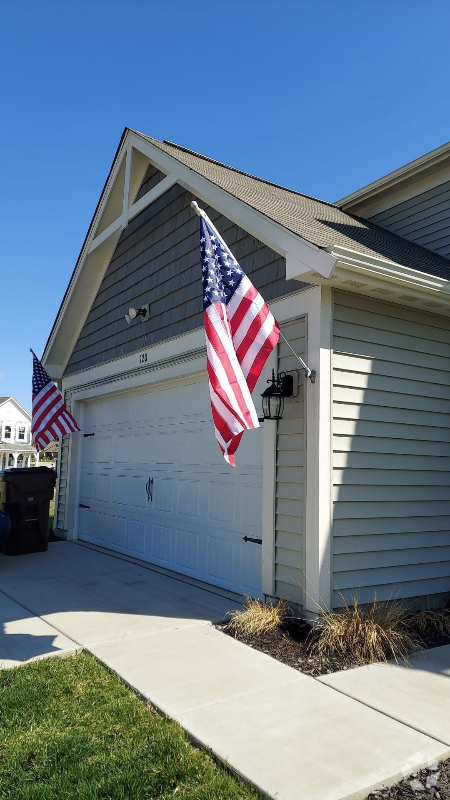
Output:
x=292 y=736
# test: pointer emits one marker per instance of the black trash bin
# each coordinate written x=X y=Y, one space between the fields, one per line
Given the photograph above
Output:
x=28 y=495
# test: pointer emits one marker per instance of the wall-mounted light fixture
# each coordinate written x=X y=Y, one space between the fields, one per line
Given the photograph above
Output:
x=281 y=386
x=143 y=313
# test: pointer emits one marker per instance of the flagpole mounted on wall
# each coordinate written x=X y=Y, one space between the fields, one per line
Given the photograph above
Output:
x=310 y=373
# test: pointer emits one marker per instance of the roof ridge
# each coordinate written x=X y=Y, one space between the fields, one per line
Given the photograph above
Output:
x=246 y=174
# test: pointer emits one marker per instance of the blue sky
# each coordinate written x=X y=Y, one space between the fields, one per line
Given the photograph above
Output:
x=320 y=96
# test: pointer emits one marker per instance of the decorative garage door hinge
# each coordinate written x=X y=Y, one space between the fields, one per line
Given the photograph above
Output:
x=149 y=489
x=88 y=434
x=251 y=539
x=82 y=505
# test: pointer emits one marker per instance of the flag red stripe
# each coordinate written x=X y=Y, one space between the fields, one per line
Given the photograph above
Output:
x=252 y=332
x=231 y=376
x=54 y=407
x=43 y=398
x=243 y=307
x=261 y=357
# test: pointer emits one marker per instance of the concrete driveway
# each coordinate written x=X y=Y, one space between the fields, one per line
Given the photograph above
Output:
x=290 y=735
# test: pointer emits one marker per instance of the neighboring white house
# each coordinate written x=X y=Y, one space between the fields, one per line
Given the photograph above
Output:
x=348 y=494
x=16 y=449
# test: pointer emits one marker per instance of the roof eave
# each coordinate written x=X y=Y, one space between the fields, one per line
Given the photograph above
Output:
x=382 y=280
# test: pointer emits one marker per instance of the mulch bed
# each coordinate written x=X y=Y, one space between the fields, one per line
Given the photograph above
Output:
x=289 y=644
x=428 y=784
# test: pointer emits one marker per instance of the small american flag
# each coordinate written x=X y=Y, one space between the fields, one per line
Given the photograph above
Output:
x=240 y=334
x=50 y=417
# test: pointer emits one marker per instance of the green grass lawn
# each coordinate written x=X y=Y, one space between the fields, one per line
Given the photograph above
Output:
x=51 y=513
x=70 y=729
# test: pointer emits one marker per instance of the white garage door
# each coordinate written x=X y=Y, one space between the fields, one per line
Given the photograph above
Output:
x=154 y=485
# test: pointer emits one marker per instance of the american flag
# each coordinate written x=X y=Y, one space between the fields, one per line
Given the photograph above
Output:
x=50 y=417
x=240 y=334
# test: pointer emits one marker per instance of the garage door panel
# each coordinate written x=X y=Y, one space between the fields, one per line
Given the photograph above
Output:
x=137 y=537
x=86 y=484
x=117 y=532
x=161 y=544
x=200 y=508
x=188 y=498
x=141 y=444
x=221 y=505
x=103 y=449
x=250 y=506
x=101 y=487
x=93 y=525
x=122 y=449
x=89 y=451
x=137 y=493
x=221 y=560
x=119 y=489
x=163 y=492
x=187 y=550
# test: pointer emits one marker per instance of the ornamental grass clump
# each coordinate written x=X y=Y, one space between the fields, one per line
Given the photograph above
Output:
x=376 y=632
x=255 y=618
x=431 y=621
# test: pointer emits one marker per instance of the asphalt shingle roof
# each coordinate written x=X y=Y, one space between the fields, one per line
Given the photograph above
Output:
x=319 y=222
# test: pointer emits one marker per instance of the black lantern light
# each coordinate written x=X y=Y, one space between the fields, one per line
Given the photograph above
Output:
x=281 y=386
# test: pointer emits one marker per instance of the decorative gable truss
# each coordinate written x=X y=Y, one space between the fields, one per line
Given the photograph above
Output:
x=121 y=201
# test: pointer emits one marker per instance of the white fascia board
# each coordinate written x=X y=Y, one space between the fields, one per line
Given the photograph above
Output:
x=254 y=222
x=86 y=248
x=377 y=272
x=399 y=175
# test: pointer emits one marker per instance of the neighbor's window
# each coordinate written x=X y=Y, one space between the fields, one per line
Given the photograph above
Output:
x=21 y=433
x=7 y=431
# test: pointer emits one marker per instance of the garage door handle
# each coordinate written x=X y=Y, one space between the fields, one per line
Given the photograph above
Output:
x=149 y=488
x=81 y=505
x=88 y=434
x=250 y=539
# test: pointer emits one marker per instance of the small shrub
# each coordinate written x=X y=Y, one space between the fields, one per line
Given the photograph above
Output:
x=256 y=618
x=377 y=632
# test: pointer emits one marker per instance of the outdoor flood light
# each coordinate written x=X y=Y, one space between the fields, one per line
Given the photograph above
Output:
x=143 y=313
x=280 y=387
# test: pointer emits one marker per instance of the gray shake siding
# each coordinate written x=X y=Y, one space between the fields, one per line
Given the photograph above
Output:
x=391 y=459
x=424 y=219
x=157 y=261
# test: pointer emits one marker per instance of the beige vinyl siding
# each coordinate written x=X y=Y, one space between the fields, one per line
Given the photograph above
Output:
x=289 y=503
x=424 y=219
x=391 y=450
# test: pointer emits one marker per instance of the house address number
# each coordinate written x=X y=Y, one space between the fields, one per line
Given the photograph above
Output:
x=143 y=358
